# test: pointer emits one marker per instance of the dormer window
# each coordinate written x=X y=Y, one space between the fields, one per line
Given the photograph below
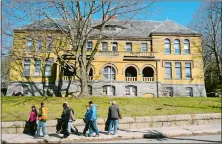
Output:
x=110 y=28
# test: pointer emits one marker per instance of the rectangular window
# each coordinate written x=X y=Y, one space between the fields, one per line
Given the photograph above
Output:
x=129 y=47
x=127 y=90
x=189 y=91
x=178 y=70
x=89 y=46
x=104 y=46
x=28 y=44
x=170 y=91
x=25 y=89
x=144 y=47
x=27 y=68
x=48 y=68
x=114 y=47
x=39 y=45
x=37 y=67
x=188 y=70
x=168 y=70
x=49 y=44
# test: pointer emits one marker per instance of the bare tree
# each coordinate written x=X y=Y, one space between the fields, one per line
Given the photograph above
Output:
x=207 y=21
x=75 y=21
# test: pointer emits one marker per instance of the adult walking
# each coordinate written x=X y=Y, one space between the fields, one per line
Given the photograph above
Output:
x=42 y=118
x=71 y=128
x=92 y=117
x=66 y=116
x=113 y=116
x=33 y=120
x=86 y=120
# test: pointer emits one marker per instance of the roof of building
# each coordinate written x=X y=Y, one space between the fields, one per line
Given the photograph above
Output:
x=124 y=28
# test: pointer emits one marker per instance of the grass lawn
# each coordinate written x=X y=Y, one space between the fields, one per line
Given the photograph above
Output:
x=18 y=108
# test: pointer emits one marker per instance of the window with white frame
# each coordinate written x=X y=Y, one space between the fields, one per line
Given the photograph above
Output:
x=27 y=68
x=129 y=47
x=48 y=64
x=29 y=44
x=109 y=90
x=49 y=43
x=104 y=46
x=109 y=73
x=188 y=70
x=89 y=46
x=170 y=91
x=143 y=47
x=189 y=91
x=39 y=44
x=178 y=70
x=89 y=90
x=37 y=67
x=114 y=46
x=25 y=89
x=131 y=90
x=186 y=46
x=177 y=46
x=168 y=70
x=167 y=46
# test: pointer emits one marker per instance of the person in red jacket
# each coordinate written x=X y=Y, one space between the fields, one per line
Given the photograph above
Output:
x=33 y=120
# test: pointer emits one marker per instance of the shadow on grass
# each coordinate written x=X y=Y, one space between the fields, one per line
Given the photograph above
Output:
x=192 y=106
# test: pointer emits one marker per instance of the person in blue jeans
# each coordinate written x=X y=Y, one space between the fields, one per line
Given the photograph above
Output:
x=91 y=118
x=113 y=117
x=42 y=118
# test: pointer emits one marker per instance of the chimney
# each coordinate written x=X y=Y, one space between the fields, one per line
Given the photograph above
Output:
x=111 y=17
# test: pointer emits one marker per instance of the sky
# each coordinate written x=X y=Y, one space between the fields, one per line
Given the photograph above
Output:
x=179 y=11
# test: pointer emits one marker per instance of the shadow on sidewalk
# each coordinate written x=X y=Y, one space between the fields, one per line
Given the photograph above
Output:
x=192 y=139
x=148 y=133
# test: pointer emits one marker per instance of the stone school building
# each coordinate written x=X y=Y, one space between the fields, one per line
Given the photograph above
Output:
x=138 y=58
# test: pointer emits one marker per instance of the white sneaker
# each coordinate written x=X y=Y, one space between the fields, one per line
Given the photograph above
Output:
x=115 y=135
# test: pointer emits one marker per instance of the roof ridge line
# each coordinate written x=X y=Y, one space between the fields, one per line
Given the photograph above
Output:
x=158 y=26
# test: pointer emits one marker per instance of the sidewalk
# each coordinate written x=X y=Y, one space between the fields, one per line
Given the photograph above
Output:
x=122 y=134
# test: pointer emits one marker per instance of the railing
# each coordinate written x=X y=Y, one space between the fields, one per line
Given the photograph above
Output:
x=131 y=78
x=148 y=78
x=139 y=54
x=108 y=53
x=71 y=78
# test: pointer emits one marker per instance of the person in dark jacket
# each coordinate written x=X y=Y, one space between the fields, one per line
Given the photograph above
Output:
x=113 y=116
x=66 y=114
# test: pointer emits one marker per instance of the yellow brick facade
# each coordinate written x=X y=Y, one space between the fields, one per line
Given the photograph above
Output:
x=155 y=45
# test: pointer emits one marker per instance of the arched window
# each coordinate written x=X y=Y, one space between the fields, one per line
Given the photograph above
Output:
x=109 y=90
x=109 y=73
x=148 y=74
x=28 y=44
x=131 y=90
x=167 y=46
x=49 y=43
x=177 y=46
x=186 y=46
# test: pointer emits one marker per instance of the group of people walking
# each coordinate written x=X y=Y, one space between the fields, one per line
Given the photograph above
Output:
x=65 y=126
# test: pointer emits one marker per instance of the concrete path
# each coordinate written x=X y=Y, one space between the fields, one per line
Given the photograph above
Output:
x=184 y=139
x=162 y=132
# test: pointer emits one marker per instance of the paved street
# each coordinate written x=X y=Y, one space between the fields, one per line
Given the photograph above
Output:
x=190 y=139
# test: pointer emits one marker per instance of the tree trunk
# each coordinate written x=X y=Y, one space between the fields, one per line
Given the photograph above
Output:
x=83 y=83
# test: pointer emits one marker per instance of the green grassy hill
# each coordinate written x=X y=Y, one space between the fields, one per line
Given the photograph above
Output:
x=18 y=108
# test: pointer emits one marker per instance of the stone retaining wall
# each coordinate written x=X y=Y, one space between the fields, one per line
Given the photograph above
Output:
x=18 y=127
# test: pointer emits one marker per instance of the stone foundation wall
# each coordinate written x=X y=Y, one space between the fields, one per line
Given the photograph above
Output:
x=19 y=127
x=143 y=88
